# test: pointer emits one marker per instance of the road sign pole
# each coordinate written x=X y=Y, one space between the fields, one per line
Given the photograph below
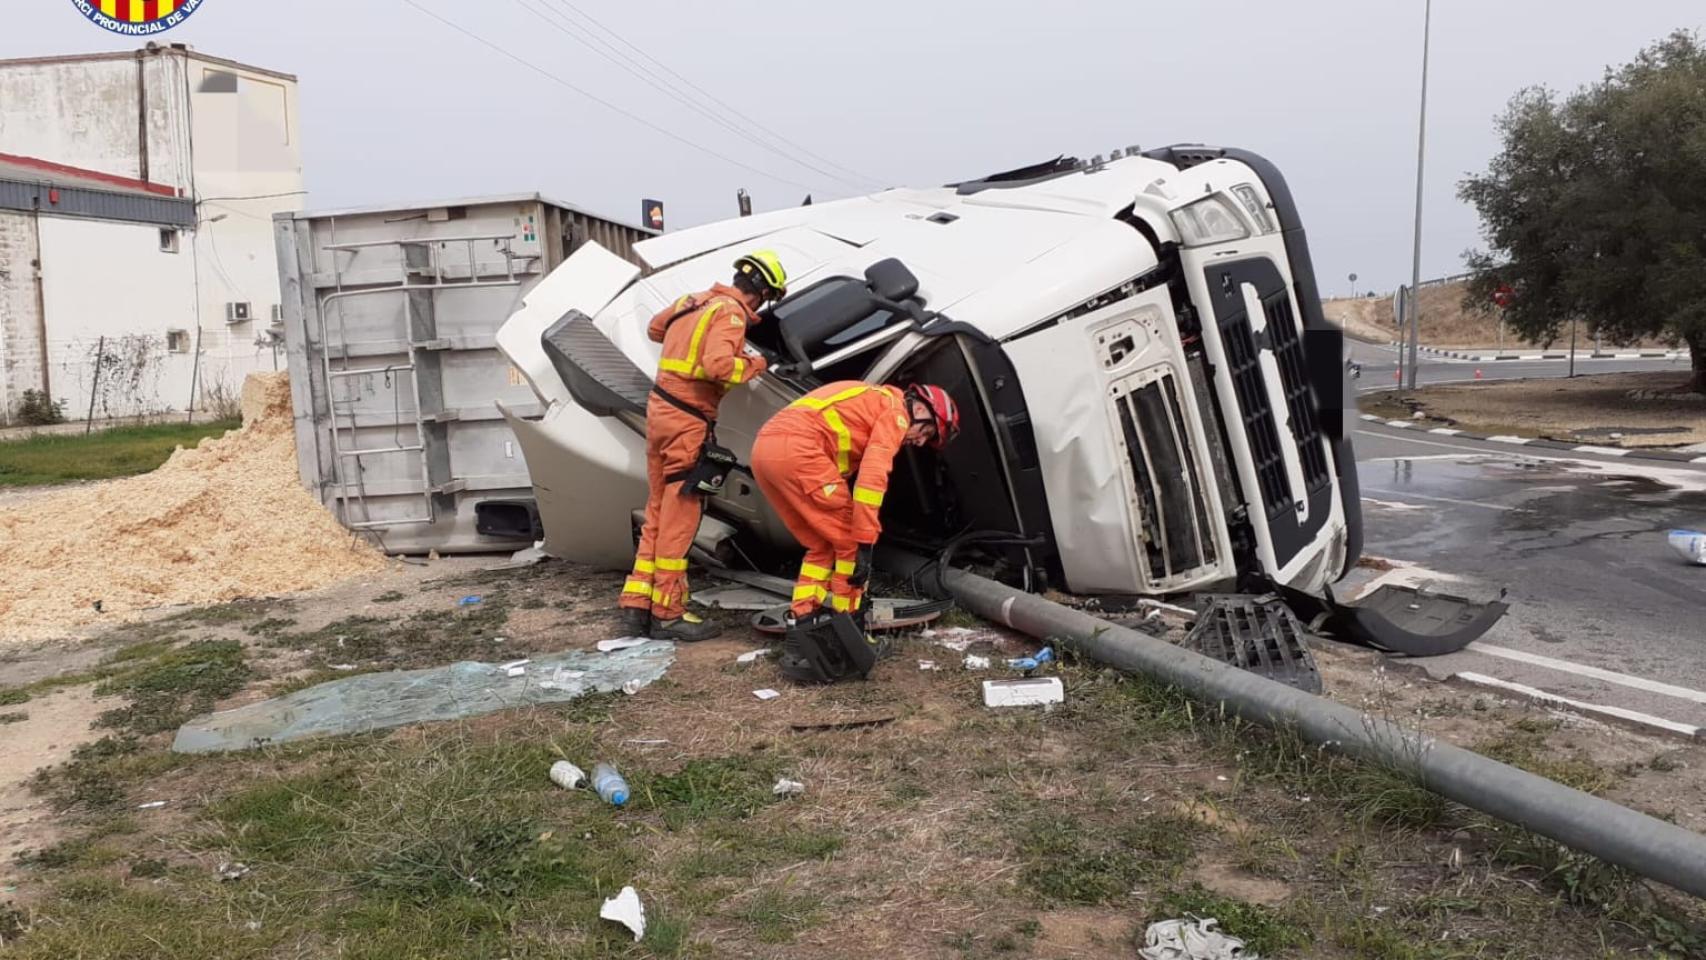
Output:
x=1421 y=154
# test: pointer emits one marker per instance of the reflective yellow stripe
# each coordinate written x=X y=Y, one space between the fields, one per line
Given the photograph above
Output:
x=869 y=497
x=698 y=336
x=841 y=604
x=814 y=571
x=640 y=587
x=843 y=441
x=809 y=592
x=845 y=567
x=645 y=566
x=817 y=403
x=740 y=370
x=672 y=564
x=676 y=366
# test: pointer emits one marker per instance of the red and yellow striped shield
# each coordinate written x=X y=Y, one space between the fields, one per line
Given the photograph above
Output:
x=137 y=17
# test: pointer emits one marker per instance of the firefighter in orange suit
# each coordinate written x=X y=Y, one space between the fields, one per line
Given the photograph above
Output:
x=704 y=356
x=823 y=464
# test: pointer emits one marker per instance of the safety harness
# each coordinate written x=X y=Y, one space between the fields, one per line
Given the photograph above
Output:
x=707 y=474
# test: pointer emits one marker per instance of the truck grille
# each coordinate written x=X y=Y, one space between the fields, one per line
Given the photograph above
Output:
x=1176 y=536
x=1294 y=380
x=1257 y=416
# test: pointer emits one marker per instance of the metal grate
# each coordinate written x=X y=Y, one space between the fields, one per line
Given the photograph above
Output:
x=1255 y=633
x=1294 y=381
x=1176 y=536
x=1256 y=414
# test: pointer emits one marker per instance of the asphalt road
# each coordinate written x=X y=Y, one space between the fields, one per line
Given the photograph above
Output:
x=1579 y=542
x=1379 y=363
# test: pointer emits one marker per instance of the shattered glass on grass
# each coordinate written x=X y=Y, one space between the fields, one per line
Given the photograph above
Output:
x=378 y=701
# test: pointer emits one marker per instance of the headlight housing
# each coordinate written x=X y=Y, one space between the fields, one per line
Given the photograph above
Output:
x=1209 y=220
x=1254 y=206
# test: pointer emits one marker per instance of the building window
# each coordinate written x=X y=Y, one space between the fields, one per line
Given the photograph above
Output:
x=177 y=341
x=168 y=240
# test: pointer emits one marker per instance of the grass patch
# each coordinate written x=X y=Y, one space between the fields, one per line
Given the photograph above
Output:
x=100 y=774
x=722 y=788
x=777 y=913
x=1264 y=930
x=426 y=638
x=1525 y=747
x=174 y=685
x=12 y=696
x=119 y=452
x=18 y=717
x=389 y=596
x=1078 y=861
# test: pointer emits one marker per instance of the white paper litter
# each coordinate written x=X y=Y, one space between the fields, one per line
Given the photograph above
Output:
x=766 y=694
x=625 y=908
x=788 y=788
x=620 y=643
x=927 y=665
x=752 y=655
x=632 y=687
x=956 y=639
x=232 y=871
x=975 y=662
x=561 y=678
x=1191 y=939
x=516 y=671
x=157 y=804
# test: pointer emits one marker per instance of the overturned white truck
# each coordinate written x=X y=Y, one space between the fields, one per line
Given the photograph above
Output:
x=1153 y=403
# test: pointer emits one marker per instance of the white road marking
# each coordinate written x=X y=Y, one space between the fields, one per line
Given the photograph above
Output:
x=1603 y=451
x=1609 y=676
x=1445 y=431
x=1502 y=438
x=1392 y=504
x=1542 y=696
x=1460 y=503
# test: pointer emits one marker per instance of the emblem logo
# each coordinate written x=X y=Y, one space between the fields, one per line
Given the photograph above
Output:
x=137 y=18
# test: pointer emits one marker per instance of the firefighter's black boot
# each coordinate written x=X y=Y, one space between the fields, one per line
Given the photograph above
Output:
x=686 y=628
x=632 y=622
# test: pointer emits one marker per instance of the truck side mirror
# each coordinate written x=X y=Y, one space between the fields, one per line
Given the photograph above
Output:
x=890 y=280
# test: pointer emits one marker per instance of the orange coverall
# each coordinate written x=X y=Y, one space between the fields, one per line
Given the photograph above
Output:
x=704 y=341
x=803 y=460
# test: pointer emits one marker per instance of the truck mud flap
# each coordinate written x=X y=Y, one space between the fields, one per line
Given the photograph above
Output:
x=598 y=374
x=1404 y=620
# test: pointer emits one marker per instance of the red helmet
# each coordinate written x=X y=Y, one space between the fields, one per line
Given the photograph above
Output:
x=944 y=414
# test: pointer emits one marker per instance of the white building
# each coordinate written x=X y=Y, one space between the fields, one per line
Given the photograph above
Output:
x=135 y=138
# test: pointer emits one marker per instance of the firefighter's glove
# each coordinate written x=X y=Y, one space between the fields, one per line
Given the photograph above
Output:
x=862 y=562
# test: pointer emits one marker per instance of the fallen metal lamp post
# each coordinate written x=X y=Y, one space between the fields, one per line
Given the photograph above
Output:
x=1614 y=833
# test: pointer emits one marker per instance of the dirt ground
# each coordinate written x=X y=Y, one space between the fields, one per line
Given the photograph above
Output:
x=942 y=830
x=1614 y=409
x=1445 y=322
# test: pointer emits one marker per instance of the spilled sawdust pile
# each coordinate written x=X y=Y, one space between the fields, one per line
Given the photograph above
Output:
x=222 y=521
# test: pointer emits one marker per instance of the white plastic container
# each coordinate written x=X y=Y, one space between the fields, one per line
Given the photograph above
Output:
x=1030 y=692
x=566 y=775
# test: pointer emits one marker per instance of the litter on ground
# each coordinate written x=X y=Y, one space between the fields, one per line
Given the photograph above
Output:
x=1030 y=692
x=753 y=655
x=766 y=694
x=625 y=908
x=1691 y=544
x=379 y=701
x=788 y=788
x=1191 y=939
x=566 y=775
x=975 y=662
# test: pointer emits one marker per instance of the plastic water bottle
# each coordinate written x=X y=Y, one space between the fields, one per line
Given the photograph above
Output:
x=566 y=775
x=612 y=789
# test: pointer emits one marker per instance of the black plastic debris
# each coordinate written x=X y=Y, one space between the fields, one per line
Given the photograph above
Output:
x=1255 y=633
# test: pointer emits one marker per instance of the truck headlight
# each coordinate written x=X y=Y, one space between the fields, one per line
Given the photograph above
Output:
x=1254 y=206
x=1209 y=220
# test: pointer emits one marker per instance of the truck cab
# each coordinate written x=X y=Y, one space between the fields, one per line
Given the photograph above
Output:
x=1152 y=400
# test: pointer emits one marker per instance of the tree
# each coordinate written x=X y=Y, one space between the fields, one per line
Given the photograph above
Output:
x=1595 y=207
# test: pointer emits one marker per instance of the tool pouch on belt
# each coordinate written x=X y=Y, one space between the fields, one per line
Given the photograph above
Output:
x=707 y=474
x=826 y=649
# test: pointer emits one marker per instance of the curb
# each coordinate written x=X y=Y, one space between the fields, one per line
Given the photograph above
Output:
x=1632 y=453
x=1490 y=357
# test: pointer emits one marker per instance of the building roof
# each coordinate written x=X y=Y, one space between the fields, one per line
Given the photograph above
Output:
x=155 y=48
x=33 y=185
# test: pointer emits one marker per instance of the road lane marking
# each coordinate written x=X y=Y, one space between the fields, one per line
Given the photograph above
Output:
x=1460 y=503
x=1502 y=438
x=1609 y=676
x=1445 y=431
x=1603 y=451
x=1543 y=696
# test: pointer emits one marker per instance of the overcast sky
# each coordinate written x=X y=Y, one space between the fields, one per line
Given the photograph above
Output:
x=397 y=106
